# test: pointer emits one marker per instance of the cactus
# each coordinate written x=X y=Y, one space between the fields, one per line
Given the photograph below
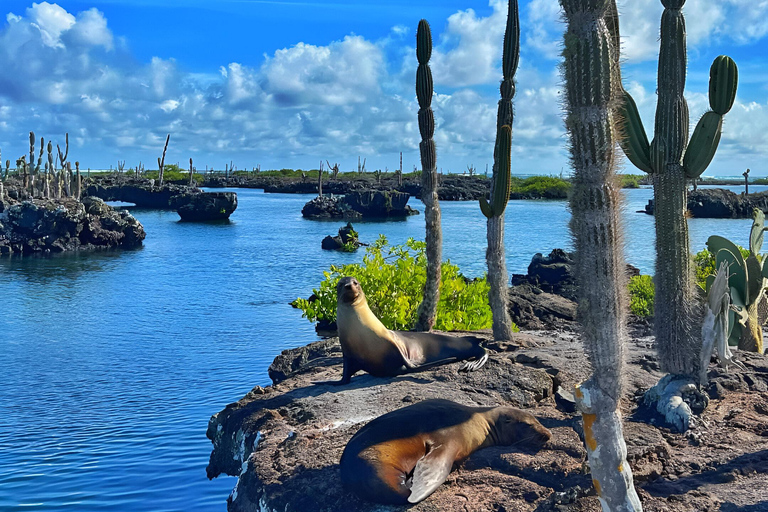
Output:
x=49 y=175
x=672 y=160
x=320 y=180
x=746 y=182
x=501 y=180
x=427 y=313
x=592 y=87
x=747 y=283
x=191 y=172
x=161 y=161
x=78 y=182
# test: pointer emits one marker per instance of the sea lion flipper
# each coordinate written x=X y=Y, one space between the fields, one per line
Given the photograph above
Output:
x=430 y=472
x=349 y=369
x=471 y=366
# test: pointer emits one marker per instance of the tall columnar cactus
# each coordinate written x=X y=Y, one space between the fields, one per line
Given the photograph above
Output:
x=747 y=283
x=672 y=160
x=78 y=182
x=63 y=178
x=427 y=313
x=49 y=171
x=32 y=175
x=191 y=172
x=494 y=211
x=161 y=161
x=592 y=79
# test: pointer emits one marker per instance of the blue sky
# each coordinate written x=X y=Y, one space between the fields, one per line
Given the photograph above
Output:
x=288 y=83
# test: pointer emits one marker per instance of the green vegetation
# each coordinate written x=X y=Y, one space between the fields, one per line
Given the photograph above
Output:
x=641 y=292
x=632 y=180
x=545 y=187
x=171 y=172
x=393 y=280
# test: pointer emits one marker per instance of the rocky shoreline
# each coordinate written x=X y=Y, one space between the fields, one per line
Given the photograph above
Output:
x=283 y=441
x=718 y=203
x=45 y=226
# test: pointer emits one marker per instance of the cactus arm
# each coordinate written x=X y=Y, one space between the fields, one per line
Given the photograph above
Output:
x=503 y=179
x=486 y=208
x=756 y=233
x=723 y=82
x=704 y=142
x=737 y=268
x=634 y=141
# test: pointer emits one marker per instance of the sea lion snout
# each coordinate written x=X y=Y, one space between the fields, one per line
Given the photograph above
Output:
x=348 y=289
x=514 y=426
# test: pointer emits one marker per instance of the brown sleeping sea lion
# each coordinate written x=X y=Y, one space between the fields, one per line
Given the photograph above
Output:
x=403 y=456
x=369 y=346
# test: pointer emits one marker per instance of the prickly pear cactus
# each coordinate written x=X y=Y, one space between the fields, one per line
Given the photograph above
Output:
x=747 y=282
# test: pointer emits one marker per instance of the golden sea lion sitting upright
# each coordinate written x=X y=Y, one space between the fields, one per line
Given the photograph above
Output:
x=369 y=346
x=403 y=456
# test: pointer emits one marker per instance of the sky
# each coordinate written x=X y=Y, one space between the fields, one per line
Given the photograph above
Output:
x=286 y=84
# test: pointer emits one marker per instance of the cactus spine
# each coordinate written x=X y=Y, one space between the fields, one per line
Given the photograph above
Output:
x=500 y=183
x=672 y=160
x=592 y=87
x=427 y=313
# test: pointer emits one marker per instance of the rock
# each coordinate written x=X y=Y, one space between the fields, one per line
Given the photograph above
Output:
x=346 y=240
x=141 y=192
x=565 y=400
x=355 y=205
x=204 y=206
x=329 y=207
x=718 y=203
x=531 y=308
x=48 y=226
x=378 y=204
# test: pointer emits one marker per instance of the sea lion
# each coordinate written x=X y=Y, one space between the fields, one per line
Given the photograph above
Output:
x=403 y=456
x=367 y=345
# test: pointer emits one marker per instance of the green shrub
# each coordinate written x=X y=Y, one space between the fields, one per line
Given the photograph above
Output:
x=641 y=293
x=392 y=278
x=704 y=265
x=631 y=180
x=545 y=187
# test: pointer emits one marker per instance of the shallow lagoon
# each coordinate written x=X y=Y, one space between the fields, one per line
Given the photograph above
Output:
x=112 y=363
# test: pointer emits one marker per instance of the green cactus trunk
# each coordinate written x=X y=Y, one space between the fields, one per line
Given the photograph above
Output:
x=427 y=313
x=676 y=313
x=498 y=278
x=593 y=95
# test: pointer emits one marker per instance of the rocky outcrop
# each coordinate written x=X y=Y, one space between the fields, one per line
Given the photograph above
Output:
x=142 y=193
x=373 y=204
x=718 y=203
x=204 y=206
x=284 y=441
x=347 y=240
x=378 y=204
x=51 y=226
x=329 y=207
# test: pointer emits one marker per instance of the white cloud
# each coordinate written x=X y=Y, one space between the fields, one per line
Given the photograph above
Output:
x=52 y=21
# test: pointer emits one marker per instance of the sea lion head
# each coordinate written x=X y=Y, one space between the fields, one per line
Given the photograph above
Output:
x=511 y=426
x=348 y=290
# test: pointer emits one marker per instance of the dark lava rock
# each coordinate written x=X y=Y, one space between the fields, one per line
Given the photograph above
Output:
x=50 y=226
x=329 y=207
x=378 y=204
x=347 y=239
x=359 y=204
x=204 y=206
x=718 y=203
x=143 y=193
x=531 y=308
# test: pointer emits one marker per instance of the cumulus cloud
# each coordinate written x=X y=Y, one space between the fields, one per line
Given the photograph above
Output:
x=63 y=71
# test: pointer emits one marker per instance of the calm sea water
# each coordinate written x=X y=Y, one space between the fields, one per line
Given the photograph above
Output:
x=112 y=363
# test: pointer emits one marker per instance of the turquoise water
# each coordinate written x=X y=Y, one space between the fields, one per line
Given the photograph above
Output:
x=112 y=363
